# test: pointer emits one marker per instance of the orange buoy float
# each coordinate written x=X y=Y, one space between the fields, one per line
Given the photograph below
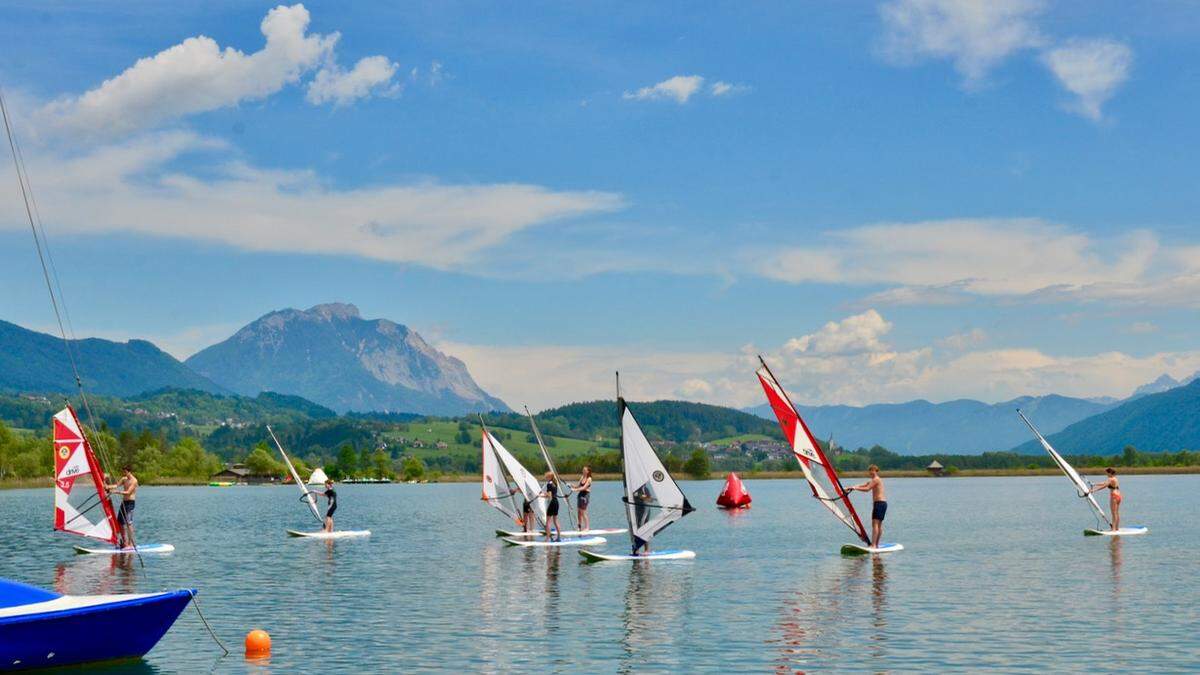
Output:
x=258 y=643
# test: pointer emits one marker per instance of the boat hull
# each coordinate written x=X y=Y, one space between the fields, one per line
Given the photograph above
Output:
x=124 y=628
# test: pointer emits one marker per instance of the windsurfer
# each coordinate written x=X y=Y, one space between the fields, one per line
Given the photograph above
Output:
x=550 y=493
x=641 y=512
x=879 y=505
x=584 y=491
x=331 y=497
x=127 y=488
x=1114 y=496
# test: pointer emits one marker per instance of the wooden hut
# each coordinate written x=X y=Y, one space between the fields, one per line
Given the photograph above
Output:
x=935 y=468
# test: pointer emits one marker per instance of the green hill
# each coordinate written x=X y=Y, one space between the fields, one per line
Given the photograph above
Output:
x=1166 y=422
x=37 y=362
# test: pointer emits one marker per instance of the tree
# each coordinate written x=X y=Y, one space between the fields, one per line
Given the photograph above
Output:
x=414 y=468
x=382 y=464
x=261 y=462
x=463 y=437
x=347 y=462
x=697 y=465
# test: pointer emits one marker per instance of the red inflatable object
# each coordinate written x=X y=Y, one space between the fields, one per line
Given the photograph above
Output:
x=734 y=496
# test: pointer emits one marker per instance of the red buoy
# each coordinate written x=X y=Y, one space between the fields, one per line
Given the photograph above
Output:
x=734 y=496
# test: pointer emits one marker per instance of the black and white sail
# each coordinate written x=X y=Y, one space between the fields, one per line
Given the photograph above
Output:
x=652 y=498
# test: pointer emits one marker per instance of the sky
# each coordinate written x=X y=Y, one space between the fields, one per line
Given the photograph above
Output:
x=889 y=200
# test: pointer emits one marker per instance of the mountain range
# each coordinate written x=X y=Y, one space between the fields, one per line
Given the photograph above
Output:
x=37 y=362
x=962 y=426
x=329 y=354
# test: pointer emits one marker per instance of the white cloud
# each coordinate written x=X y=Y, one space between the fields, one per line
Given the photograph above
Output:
x=941 y=262
x=719 y=89
x=847 y=362
x=975 y=35
x=197 y=75
x=1092 y=70
x=340 y=87
x=132 y=187
x=679 y=88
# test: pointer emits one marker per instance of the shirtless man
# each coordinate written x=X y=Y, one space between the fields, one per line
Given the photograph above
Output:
x=879 y=499
x=127 y=488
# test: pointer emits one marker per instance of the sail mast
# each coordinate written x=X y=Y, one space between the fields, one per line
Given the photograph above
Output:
x=308 y=495
x=1067 y=469
x=564 y=489
x=789 y=416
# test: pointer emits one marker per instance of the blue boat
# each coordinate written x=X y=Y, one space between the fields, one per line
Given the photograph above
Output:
x=41 y=629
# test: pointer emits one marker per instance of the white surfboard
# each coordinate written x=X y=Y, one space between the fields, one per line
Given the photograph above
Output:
x=129 y=550
x=565 y=541
x=338 y=534
x=592 y=556
x=565 y=533
x=862 y=549
x=1123 y=532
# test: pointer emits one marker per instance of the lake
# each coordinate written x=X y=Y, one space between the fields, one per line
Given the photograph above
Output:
x=996 y=573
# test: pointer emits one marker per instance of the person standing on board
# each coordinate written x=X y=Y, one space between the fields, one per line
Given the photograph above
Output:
x=1114 y=496
x=641 y=513
x=331 y=496
x=584 y=491
x=527 y=516
x=879 y=503
x=550 y=492
x=127 y=488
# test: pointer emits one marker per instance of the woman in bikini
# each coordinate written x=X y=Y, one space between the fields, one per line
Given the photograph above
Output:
x=583 y=490
x=1114 y=496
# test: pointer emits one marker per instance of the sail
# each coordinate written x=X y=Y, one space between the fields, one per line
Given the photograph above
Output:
x=308 y=495
x=496 y=489
x=81 y=503
x=1080 y=484
x=527 y=483
x=652 y=498
x=564 y=488
x=808 y=452
x=318 y=477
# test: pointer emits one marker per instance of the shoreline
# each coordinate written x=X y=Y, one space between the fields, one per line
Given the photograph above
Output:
x=28 y=483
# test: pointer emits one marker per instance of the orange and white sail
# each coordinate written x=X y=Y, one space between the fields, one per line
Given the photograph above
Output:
x=808 y=452
x=81 y=504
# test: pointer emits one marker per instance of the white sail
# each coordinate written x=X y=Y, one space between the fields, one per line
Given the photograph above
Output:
x=497 y=491
x=564 y=488
x=318 y=477
x=652 y=498
x=1080 y=484
x=308 y=496
x=526 y=482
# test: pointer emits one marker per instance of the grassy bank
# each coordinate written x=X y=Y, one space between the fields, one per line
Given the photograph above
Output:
x=16 y=483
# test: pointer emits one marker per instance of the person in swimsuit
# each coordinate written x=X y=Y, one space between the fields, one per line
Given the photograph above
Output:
x=127 y=488
x=331 y=496
x=1114 y=496
x=527 y=516
x=879 y=503
x=584 y=491
x=550 y=492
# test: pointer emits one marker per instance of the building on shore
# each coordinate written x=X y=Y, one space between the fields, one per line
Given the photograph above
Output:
x=935 y=468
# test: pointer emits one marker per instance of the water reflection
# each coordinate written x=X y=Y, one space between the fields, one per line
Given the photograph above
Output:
x=811 y=617
x=657 y=600
x=97 y=575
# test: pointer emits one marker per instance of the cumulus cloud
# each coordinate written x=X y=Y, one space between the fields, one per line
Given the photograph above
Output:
x=945 y=261
x=679 y=89
x=849 y=362
x=975 y=36
x=1092 y=70
x=341 y=87
x=132 y=187
x=197 y=75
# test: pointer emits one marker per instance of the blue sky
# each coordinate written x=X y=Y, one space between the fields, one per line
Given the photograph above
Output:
x=891 y=200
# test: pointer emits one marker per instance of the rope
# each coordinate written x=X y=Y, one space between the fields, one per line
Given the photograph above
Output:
x=205 y=621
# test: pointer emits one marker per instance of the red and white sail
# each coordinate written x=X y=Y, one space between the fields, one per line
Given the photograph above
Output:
x=808 y=452
x=81 y=503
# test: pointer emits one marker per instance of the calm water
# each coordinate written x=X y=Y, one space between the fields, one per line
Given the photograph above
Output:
x=996 y=574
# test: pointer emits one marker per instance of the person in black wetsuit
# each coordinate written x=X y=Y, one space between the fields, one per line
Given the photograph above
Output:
x=550 y=492
x=331 y=496
x=527 y=516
